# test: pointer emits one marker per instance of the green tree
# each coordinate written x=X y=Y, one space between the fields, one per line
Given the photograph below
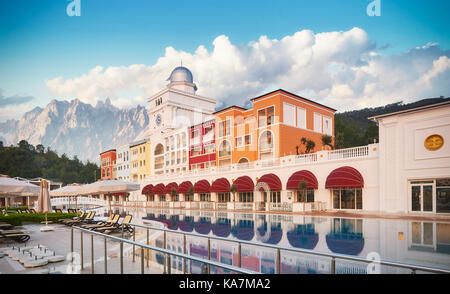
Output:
x=326 y=141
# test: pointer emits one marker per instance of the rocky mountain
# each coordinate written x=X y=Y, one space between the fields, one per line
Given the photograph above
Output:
x=75 y=128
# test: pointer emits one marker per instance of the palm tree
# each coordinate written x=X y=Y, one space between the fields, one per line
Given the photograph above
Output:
x=233 y=190
x=191 y=193
x=302 y=189
x=326 y=141
x=310 y=145
x=173 y=193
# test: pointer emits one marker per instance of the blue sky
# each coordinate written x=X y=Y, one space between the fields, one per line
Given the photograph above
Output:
x=40 y=42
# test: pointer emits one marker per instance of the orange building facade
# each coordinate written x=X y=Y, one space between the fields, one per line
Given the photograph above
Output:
x=274 y=127
x=107 y=163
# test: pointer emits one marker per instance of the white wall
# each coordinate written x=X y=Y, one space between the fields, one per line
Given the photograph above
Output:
x=403 y=156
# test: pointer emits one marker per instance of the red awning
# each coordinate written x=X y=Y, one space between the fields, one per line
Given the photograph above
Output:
x=272 y=180
x=169 y=187
x=184 y=187
x=220 y=185
x=298 y=177
x=147 y=189
x=202 y=186
x=344 y=177
x=244 y=184
x=158 y=189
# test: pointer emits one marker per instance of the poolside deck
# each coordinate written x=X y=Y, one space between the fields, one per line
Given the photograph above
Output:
x=58 y=240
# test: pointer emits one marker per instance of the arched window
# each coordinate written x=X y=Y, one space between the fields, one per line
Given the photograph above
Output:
x=225 y=148
x=159 y=149
x=243 y=160
x=159 y=156
x=266 y=140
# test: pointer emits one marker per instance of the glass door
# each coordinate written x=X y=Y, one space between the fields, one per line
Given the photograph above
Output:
x=422 y=196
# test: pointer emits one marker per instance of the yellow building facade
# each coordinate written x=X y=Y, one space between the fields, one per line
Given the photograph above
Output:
x=140 y=165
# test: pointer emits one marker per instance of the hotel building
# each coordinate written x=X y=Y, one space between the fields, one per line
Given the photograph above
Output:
x=123 y=162
x=107 y=163
x=140 y=160
x=256 y=159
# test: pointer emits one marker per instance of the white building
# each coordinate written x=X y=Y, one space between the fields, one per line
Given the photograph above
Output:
x=414 y=160
x=123 y=162
x=171 y=112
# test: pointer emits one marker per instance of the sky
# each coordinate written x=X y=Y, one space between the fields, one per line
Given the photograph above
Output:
x=330 y=51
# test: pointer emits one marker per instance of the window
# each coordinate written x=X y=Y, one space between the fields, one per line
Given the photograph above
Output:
x=224 y=197
x=266 y=116
x=289 y=114
x=306 y=196
x=301 y=118
x=208 y=133
x=225 y=149
x=184 y=156
x=270 y=116
x=196 y=150
x=242 y=141
x=195 y=134
x=266 y=141
x=317 y=123
x=347 y=198
x=261 y=118
x=245 y=196
x=159 y=150
x=327 y=127
x=225 y=162
x=205 y=197
x=227 y=127
x=210 y=148
x=224 y=128
x=247 y=139
x=443 y=195
x=275 y=196
x=239 y=141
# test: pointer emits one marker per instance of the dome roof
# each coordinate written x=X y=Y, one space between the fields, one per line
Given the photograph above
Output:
x=181 y=74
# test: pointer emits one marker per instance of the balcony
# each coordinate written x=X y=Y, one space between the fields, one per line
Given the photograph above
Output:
x=369 y=151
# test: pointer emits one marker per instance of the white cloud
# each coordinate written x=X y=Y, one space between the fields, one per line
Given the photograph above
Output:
x=344 y=70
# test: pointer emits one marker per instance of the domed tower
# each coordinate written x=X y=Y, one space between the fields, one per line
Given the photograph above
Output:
x=181 y=79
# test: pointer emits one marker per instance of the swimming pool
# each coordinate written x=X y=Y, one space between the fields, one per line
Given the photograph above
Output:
x=409 y=241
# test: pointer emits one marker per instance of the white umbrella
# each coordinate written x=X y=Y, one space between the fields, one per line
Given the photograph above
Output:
x=11 y=187
x=44 y=205
x=108 y=187
x=70 y=190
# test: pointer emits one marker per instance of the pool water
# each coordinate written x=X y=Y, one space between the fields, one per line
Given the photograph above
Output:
x=407 y=241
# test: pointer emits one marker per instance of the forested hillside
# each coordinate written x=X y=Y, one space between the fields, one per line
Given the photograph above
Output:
x=352 y=128
x=28 y=161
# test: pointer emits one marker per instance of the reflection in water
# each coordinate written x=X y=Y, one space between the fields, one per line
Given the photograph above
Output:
x=303 y=236
x=243 y=230
x=346 y=236
x=424 y=243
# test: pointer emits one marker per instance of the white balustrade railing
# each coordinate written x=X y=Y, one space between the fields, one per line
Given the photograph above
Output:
x=322 y=156
x=348 y=153
x=283 y=206
x=57 y=201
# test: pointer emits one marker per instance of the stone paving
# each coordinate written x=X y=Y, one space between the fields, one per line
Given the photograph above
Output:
x=58 y=241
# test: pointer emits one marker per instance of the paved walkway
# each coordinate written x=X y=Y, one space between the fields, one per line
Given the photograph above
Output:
x=58 y=240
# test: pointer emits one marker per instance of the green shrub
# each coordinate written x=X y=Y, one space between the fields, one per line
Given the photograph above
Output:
x=12 y=219
x=18 y=219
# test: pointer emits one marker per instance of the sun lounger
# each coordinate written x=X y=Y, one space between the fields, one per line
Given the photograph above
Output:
x=32 y=210
x=110 y=222
x=15 y=235
x=118 y=228
x=58 y=210
x=87 y=220
x=63 y=221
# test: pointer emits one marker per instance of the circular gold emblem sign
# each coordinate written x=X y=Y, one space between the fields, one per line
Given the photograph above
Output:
x=434 y=142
